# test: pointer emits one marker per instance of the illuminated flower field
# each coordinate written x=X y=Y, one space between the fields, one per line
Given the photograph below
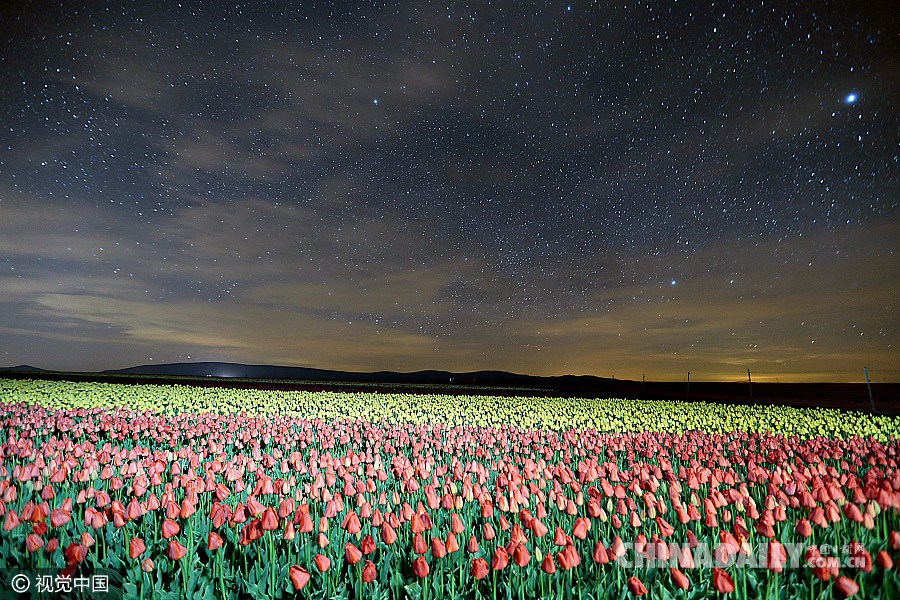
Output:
x=224 y=493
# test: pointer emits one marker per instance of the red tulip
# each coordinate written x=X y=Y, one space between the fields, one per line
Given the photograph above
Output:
x=416 y=525
x=270 y=521
x=853 y=513
x=420 y=567
x=352 y=554
x=765 y=529
x=451 y=544
x=680 y=580
x=298 y=576
x=147 y=565
x=351 y=524
x=170 y=529
x=306 y=524
x=213 y=541
x=521 y=556
x=322 y=562
x=559 y=538
x=685 y=558
x=58 y=517
x=500 y=559
x=472 y=545
x=368 y=572
x=580 y=529
x=438 y=550
x=548 y=566
x=175 y=550
x=722 y=581
x=479 y=568
x=538 y=528
x=11 y=521
x=419 y=544
x=665 y=530
x=388 y=535
x=804 y=529
x=33 y=542
x=894 y=540
x=289 y=531
x=775 y=556
x=136 y=547
x=367 y=545
x=456 y=524
x=846 y=586
x=600 y=555
x=75 y=553
x=636 y=587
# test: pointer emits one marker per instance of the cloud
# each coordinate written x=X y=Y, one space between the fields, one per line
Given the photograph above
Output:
x=377 y=293
x=806 y=318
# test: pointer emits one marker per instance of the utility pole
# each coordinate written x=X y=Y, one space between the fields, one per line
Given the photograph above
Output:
x=869 y=385
x=750 y=381
x=643 y=385
x=689 y=386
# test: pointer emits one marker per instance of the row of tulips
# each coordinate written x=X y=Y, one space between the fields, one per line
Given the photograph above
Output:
x=221 y=504
x=559 y=414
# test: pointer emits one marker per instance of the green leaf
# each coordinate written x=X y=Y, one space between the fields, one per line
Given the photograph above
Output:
x=413 y=591
x=129 y=591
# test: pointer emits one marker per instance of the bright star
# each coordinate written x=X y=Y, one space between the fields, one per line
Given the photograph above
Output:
x=374 y=100
x=673 y=282
x=851 y=98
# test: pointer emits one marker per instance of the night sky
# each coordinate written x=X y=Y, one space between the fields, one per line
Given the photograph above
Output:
x=546 y=188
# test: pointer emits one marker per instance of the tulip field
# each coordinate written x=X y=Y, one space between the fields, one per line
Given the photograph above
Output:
x=190 y=492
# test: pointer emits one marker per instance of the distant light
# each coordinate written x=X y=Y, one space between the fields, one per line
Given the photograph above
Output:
x=673 y=282
x=568 y=8
x=851 y=98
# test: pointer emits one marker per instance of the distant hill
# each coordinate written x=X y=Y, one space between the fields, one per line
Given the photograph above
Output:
x=21 y=368
x=222 y=369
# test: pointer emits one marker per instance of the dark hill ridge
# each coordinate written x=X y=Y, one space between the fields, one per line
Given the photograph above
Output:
x=22 y=368
x=220 y=369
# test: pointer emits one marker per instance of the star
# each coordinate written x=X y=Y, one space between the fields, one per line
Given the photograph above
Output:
x=851 y=98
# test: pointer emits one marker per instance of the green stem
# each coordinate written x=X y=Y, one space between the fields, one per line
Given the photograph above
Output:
x=271 y=536
x=221 y=573
x=184 y=578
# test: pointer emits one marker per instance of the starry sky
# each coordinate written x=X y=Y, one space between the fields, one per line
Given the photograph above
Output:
x=581 y=187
